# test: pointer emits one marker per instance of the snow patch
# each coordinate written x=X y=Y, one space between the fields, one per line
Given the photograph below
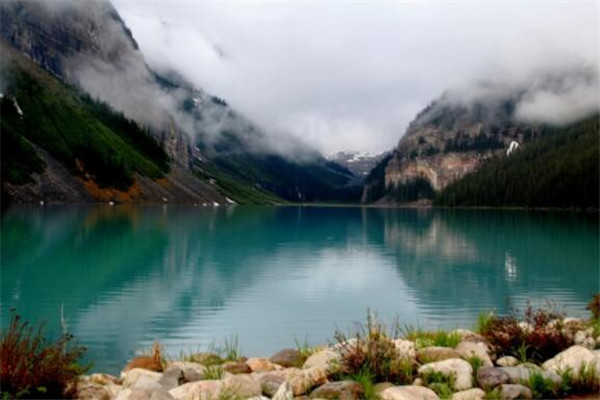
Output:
x=216 y=204
x=230 y=201
x=514 y=145
x=19 y=111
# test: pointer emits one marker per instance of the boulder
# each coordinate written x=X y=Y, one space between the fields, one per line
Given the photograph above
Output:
x=103 y=379
x=585 y=338
x=92 y=391
x=131 y=376
x=324 y=359
x=158 y=393
x=236 y=367
x=574 y=357
x=507 y=361
x=199 y=390
x=241 y=386
x=405 y=348
x=434 y=353
x=340 y=347
x=171 y=378
x=287 y=358
x=284 y=392
x=466 y=334
x=261 y=364
x=408 y=392
x=342 y=390
x=522 y=373
x=269 y=381
x=469 y=394
x=380 y=387
x=191 y=371
x=461 y=370
x=468 y=349
x=490 y=377
x=511 y=392
x=303 y=380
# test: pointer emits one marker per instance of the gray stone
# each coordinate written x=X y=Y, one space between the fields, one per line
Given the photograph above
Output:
x=324 y=359
x=192 y=371
x=172 y=377
x=507 y=361
x=408 y=392
x=512 y=392
x=461 y=370
x=241 y=386
x=284 y=392
x=405 y=348
x=342 y=390
x=468 y=349
x=522 y=373
x=287 y=358
x=574 y=358
x=303 y=380
x=490 y=377
x=131 y=376
x=199 y=390
x=434 y=353
x=269 y=381
x=469 y=394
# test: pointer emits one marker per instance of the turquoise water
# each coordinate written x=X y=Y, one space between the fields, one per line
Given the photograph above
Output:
x=189 y=277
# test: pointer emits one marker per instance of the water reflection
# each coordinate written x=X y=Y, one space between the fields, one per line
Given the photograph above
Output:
x=188 y=276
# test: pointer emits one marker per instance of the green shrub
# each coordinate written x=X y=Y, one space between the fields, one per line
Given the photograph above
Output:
x=33 y=367
x=442 y=384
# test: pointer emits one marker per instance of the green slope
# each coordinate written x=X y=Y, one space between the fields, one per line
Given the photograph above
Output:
x=560 y=170
x=86 y=136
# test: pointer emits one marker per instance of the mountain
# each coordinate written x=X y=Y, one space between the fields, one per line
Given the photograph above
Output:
x=101 y=125
x=559 y=170
x=452 y=138
x=359 y=163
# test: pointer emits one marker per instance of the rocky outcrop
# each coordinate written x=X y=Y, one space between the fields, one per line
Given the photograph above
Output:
x=446 y=141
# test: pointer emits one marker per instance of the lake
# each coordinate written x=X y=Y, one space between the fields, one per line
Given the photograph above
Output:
x=192 y=277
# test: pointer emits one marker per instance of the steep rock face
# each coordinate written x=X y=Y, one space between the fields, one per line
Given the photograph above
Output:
x=446 y=141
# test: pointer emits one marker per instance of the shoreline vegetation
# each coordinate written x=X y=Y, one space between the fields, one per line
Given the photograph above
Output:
x=536 y=353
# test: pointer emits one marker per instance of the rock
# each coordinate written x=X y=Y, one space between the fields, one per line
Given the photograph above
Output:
x=468 y=349
x=303 y=380
x=103 y=379
x=159 y=393
x=262 y=364
x=574 y=357
x=585 y=338
x=241 y=386
x=405 y=348
x=284 y=392
x=258 y=398
x=490 y=377
x=408 y=393
x=342 y=390
x=466 y=334
x=434 y=353
x=206 y=358
x=511 y=392
x=470 y=394
x=380 y=387
x=270 y=381
x=340 y=347
x=199 y=390
x=507 y=361
x=418 y=382
x=461 y=369
x=287 y=358
x=171 y=378
x=327 y=360
x=133 y=375
x=235 y=367
x=522 y=373
x=191 y=371
x=91 y=391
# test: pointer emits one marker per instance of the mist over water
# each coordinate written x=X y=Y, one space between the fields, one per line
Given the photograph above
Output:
x=189 y=276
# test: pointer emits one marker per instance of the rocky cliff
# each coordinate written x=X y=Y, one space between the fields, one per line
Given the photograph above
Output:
x=446 y=141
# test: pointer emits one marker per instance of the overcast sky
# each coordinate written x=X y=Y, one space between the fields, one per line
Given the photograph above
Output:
x=352 y=75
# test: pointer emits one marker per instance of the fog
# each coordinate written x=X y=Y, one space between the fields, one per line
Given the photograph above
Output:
x=352 y=75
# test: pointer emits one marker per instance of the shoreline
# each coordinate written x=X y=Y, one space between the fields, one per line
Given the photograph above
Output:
x=380 y=362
